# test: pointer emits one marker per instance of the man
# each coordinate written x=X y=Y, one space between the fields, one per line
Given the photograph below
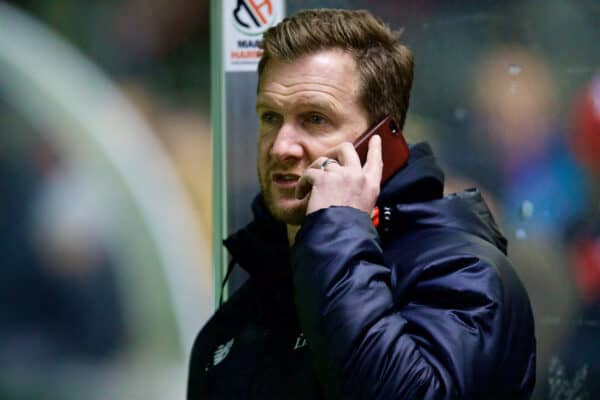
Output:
x=426 y=305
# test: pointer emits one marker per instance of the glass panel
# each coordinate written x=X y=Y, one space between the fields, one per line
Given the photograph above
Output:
x=239 y=186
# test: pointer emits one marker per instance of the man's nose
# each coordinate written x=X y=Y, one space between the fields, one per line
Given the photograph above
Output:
x=287 y=144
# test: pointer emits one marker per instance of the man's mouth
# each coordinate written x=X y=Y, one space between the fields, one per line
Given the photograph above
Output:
x=285 y=180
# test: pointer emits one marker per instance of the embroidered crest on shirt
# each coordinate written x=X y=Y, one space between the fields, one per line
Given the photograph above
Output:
x=222 y=352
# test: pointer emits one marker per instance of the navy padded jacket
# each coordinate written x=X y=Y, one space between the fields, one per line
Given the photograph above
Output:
x=427 y=306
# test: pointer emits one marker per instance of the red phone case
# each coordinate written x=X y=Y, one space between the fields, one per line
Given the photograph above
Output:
x=394 y=148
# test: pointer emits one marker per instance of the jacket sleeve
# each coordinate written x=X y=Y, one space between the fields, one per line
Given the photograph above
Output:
x=434 y=339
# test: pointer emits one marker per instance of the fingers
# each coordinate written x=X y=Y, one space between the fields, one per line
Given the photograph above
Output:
x=325 y=163
x=374 y=165
x=345 y=154
x=339 y=179
x=306 y=181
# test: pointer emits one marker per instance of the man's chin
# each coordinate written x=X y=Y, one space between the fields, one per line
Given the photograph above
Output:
x=288 y=211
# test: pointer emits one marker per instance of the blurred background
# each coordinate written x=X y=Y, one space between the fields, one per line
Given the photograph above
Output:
x=105 y=177
x=105 y=197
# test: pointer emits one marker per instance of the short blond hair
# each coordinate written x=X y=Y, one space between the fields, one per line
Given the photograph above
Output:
x=385 y=66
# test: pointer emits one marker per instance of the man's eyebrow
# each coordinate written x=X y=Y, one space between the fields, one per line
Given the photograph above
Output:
x=261 y=103
x=309 y=102
x=318 y=103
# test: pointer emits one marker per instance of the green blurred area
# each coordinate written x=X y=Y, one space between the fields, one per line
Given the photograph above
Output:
x=87 y=312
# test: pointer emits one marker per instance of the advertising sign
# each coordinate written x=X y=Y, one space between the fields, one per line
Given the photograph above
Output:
x=244 y=22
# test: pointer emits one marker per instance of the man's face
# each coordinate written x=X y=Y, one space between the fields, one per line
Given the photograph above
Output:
x=305 y=108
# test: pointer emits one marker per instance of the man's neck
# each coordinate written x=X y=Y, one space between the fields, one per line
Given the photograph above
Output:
x=292 y=230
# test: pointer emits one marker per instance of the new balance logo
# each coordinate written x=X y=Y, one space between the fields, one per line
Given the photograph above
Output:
x=222 y=352
x=300 y=342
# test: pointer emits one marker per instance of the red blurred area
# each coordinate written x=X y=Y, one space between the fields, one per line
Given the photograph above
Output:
x=586 y=127
x=586 y=269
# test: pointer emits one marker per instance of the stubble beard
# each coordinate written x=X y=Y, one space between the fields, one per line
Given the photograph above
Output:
x=293 y=215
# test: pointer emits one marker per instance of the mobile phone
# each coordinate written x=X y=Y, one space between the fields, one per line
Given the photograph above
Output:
x=394 y=149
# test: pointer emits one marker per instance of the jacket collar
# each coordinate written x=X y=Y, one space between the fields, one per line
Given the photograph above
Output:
x=413 y=199
x=420 y=180
x=261 y=247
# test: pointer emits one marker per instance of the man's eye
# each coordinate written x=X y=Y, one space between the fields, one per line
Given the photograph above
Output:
x=316 y=119
x=268 y=117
